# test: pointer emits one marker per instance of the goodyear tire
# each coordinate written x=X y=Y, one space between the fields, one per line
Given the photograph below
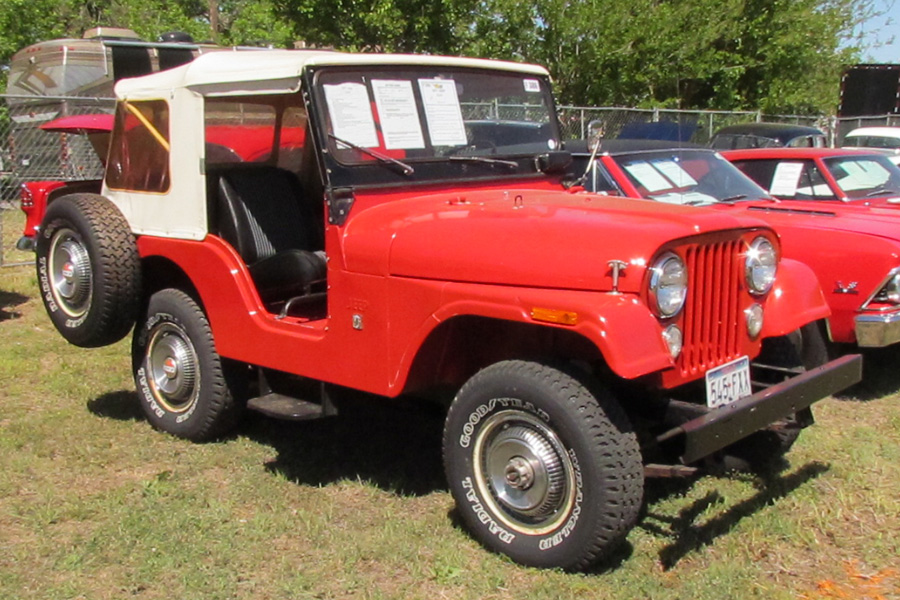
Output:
x=541 y=469
x=800 y=350
x=88 y=270
x=185 y=387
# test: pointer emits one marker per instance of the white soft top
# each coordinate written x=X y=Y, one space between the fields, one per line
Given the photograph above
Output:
x=278 y=71
x=889 y=132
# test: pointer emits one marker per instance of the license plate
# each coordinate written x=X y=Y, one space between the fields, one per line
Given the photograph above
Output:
x=728 y=383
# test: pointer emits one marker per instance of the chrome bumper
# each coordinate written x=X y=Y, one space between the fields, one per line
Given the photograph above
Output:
x=875 y=330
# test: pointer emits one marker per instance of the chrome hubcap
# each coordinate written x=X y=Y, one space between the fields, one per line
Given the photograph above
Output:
x=70 y=272
x=524 y=471
x=172 y=363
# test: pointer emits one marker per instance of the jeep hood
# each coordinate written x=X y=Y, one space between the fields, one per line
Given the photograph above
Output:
x=548 y=239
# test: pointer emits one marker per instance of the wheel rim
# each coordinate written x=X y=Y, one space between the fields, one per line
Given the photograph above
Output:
x=70 y=268
x=524 y=472
x=172 y=363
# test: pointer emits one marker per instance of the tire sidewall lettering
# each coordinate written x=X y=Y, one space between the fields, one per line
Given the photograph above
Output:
x=483 y=410
x=143 y=337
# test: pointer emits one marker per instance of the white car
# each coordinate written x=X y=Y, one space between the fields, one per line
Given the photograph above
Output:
x=882 y=139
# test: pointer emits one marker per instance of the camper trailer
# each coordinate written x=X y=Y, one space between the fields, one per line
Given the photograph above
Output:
x=66 y=77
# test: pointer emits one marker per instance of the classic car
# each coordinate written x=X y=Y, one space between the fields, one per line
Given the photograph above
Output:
x=767 y=135
x=822 y=174
x=885 y=140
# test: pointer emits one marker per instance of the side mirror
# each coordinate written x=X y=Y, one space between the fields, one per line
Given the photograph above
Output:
x=553 y=162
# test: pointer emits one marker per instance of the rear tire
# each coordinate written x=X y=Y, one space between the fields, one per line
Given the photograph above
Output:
x=88 y=269
x=185 y=387
x=541 y=469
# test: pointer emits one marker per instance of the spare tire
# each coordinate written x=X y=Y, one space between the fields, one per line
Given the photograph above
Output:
x=88 y=269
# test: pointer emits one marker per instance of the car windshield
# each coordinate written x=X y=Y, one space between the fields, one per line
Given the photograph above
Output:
x=872 y=141
x=427 y=114
x=692 y=177
x=865 y=176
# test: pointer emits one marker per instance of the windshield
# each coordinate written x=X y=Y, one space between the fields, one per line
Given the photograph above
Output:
x=693 y=177
x=872 y=141
x=865 y=176
x=427 y=114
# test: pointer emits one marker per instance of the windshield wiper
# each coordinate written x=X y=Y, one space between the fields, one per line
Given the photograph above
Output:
x=483 y=159
x=882 y=190
x=405 y=169
x=734 y=198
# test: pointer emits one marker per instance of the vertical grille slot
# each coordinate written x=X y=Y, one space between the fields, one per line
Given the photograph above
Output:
x=711 y=319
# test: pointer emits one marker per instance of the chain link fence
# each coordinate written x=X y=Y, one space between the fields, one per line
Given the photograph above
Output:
x=28 y=153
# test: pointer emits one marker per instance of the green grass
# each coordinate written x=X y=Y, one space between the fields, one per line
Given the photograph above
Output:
x=95 y=504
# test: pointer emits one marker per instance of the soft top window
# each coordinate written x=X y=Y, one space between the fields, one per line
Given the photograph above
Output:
x=139 y=149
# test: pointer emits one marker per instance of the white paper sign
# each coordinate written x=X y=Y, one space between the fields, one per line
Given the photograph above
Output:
x=648 y=177
x=397 y=114
x=445 y=122
x=673 y=171
x=786 y=179
x=351 y=114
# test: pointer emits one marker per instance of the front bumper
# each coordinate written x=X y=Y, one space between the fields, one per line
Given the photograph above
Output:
x=875 y=330
x=717 y=428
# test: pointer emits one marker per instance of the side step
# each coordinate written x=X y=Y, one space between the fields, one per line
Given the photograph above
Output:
x=280 y=406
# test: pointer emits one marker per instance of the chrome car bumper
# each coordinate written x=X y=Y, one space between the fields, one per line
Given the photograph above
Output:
x=875 y=330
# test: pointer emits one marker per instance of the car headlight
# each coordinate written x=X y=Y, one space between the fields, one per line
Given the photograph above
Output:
x=668 y=284
x=890 y=291
x=760 y=265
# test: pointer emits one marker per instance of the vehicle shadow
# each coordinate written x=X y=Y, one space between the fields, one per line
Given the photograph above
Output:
x=122 y=405
x=687 y=536
x=880 y=375
x=395 y=445
x=9 y=300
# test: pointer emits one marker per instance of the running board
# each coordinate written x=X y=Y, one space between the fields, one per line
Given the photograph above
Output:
x=280 y=406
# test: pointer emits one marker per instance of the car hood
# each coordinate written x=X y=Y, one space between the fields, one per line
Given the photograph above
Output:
x=883 y=222
x=549 y=239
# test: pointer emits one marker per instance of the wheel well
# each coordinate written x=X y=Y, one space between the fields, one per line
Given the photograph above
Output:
x=460 y=347
x=161 y=273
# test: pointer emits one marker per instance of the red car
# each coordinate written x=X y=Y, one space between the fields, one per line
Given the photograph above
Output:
x=853 y=247
x=822 y=174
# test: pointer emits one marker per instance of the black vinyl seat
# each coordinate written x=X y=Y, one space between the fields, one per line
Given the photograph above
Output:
x=261 y=214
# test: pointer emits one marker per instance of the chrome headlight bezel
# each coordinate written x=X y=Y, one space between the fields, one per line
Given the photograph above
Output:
x=760 y=266
x=668 y=285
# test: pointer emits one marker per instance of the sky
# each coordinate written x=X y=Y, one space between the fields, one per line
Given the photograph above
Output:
x=881 y=30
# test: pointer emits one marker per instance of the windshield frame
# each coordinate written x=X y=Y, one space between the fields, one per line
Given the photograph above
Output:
x=346 y=171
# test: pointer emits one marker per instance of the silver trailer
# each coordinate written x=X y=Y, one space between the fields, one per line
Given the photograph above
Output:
x=66 y=77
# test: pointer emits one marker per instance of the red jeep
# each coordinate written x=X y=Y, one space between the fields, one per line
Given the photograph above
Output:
x=277 y=224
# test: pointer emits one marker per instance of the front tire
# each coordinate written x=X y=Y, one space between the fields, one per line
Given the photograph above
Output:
x=541 y=469
x=185 y=387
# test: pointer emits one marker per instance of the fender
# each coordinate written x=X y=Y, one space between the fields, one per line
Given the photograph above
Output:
x=795 y=300
x=620 y=326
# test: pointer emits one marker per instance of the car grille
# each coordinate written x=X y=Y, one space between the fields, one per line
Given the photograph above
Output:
x=712 y=314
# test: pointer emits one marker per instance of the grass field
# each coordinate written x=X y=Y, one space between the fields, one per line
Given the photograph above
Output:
x=94 y=504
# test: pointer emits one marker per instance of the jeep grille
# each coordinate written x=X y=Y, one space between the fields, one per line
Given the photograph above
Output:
x=712 y=316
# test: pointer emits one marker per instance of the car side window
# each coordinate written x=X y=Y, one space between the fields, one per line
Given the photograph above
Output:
x=139 y=148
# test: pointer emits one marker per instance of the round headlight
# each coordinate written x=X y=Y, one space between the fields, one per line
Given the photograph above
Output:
x=668 y=284
x=760 y=265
